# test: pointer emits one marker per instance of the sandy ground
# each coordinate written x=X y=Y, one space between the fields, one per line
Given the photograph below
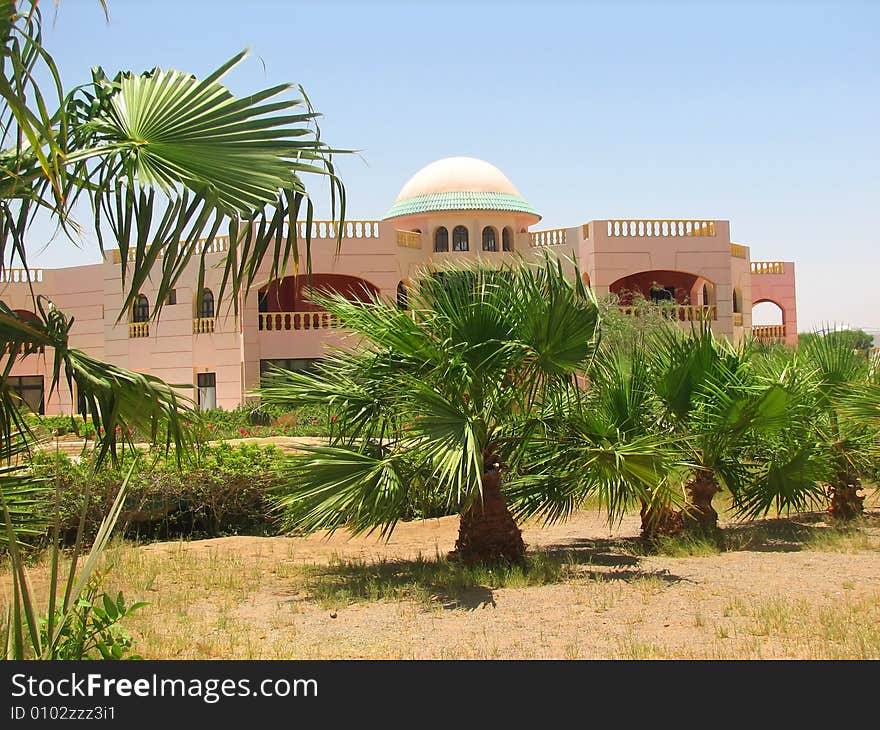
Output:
x=778 y=598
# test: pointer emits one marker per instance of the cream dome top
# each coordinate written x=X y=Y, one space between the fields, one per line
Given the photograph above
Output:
x=457 y=174
x=459 y=183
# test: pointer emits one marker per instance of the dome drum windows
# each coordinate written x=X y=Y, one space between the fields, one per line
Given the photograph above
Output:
x=490 y=240
x=460 y=238
x=506 y=240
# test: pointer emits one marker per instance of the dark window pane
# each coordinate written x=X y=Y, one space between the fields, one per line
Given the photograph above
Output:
x=141 y=311
x=206 y=305
x=460 y=239
x=489 y=243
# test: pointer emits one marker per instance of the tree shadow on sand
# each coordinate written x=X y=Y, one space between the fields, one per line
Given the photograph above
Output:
x=437 y=581
x=801 y=531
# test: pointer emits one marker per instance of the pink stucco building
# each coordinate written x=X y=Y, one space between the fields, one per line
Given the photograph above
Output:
x=454 y=209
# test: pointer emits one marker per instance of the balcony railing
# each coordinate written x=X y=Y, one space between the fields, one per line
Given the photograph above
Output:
x=769 y=332
x=737 y=319
x=278 y=321
x=219 y=244
x=21 y=276
x=550 y=237
x=138 y=329
x=203 y=325
x=409 y=239
x=768 y=267
x=681 y=312
x=667 y=227
x=351 y=229
x=739 y=252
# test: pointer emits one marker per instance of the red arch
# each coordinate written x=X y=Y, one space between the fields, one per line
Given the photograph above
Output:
x=291 y=294
x=639 y=282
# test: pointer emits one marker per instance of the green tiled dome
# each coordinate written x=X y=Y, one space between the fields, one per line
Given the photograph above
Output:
x=460 y=201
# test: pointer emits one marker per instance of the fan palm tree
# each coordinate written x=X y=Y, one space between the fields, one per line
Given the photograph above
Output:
x=840 y=387
x=167 y=162
x=720 y=414
x=443 y=395
x=602 y=443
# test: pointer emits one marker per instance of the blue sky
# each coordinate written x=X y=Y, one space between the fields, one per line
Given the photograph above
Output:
x=765 y=114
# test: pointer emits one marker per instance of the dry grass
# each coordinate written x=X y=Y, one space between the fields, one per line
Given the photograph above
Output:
x=773 y=589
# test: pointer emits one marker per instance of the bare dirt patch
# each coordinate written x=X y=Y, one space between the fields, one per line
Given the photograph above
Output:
x=783 y=588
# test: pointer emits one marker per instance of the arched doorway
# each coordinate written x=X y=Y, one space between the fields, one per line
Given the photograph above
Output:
x=768 y=321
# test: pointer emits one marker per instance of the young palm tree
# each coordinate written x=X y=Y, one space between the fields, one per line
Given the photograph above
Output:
x=840 y=388
x=602 y=443
x=443 y=396
x=719 y=413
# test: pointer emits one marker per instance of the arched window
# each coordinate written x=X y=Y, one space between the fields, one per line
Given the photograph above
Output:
x=705 y=295
x=489 y=241
x=206 y=304
x=737 y=302
x=140 y=310
x=402 y=296
x=460 y=239
x=506 y=240
x=441 y=240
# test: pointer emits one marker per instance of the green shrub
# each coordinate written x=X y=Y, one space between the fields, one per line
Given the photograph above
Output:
x=223 y=490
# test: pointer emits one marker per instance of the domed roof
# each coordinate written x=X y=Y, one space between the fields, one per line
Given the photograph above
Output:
x=459 y=183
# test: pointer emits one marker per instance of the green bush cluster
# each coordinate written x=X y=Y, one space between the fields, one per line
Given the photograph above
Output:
x=221 y=490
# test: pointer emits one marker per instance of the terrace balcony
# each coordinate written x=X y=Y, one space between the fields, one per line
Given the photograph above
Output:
x=680 y=312
x=769 y=334
x=286 y=321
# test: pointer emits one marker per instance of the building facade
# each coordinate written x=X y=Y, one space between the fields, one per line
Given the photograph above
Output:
x=453 y=210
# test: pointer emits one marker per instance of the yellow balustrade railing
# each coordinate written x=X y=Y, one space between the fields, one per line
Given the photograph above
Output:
x=737 y=319
x=138 y=329
x=203 y=325
x=409 y=239
x=21 y=276
x=585 y=229
x=659 y=227
x=738 y=251
x=19 y=349
x=550 y=237
x=768 y=267
x=769 y=332
x=350 y=229
x=284 y=321
x=681 y=312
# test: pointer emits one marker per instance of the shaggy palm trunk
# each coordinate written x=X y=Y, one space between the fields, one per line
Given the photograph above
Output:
x=846 y=504
x=700 y=514
x=487 y=532
x=660 y=521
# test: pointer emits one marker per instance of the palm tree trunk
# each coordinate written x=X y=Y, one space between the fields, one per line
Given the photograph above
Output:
x=699 y=514
x=487 y=532
x=660 y=521
x=846 y=504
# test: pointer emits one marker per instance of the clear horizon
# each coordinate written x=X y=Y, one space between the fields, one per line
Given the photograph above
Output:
x=761 y=114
